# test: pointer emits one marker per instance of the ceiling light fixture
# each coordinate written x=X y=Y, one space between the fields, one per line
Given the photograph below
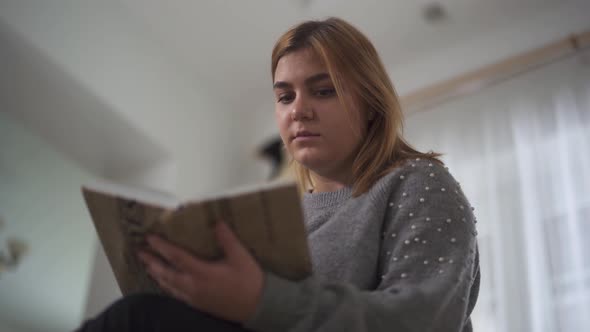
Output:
x=434 y=12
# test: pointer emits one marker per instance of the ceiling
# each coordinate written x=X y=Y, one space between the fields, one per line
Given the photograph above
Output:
x=227 y=44
x=60 y=109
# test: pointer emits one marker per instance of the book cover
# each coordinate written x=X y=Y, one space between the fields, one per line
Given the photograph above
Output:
x=268 y=221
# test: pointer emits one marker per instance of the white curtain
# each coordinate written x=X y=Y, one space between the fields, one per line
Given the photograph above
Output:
x=521 y=150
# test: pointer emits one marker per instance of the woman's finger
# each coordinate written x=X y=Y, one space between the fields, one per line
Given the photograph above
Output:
x=234 y=250
x=175 y=256
x=176 y=291
x=176 y=283
x=149 y=259
x=160 y=272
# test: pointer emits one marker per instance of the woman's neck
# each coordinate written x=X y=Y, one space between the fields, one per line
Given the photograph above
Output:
x=332 y=182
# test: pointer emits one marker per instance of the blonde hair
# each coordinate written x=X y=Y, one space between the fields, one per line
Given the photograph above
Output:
x=350 y=57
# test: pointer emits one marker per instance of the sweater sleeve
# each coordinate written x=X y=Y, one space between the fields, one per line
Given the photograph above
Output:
x=428 y=268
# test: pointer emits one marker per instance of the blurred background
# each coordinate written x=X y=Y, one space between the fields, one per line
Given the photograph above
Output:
x=176 y=96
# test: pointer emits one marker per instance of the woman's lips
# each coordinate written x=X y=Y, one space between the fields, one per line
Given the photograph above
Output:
x=302 y=138
x=305 y=136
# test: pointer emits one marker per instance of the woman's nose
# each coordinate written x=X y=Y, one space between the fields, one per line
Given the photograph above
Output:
x=302 y=109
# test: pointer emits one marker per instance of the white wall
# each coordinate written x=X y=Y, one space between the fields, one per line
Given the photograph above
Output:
x=57 y=107
x=41 y=203
x=107 y=52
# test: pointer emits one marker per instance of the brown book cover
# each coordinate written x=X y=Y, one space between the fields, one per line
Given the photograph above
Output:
x=268 y=220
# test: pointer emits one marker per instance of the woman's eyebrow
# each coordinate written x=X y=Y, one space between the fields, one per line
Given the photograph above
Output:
x=308 y=81
x=317 y=78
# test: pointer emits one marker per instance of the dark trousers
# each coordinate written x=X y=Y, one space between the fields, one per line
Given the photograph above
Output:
x=149 y=312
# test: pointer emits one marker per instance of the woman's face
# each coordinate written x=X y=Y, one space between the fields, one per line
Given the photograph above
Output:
x=312 y=121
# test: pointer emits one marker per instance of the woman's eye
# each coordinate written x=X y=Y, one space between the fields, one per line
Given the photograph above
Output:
x=285 y=99
x=326 y=92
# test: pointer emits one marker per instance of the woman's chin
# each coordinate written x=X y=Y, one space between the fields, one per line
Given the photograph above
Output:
x=306 y=157
x=310 y=161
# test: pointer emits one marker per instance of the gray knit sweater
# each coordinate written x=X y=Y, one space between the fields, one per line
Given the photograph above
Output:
x=401 y=257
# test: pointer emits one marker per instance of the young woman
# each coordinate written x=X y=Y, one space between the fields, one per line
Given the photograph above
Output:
x=392 y=236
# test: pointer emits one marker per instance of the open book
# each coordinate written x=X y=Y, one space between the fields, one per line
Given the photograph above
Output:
x=268 y=220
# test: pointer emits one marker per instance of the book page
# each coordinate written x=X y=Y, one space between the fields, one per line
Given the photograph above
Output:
x=268 y=221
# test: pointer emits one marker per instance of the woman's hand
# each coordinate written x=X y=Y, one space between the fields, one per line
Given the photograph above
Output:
x=229 y=288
